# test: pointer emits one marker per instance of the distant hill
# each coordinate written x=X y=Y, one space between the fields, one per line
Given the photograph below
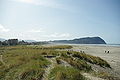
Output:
x=1 y=39
x=86 y=40
x=29 y=41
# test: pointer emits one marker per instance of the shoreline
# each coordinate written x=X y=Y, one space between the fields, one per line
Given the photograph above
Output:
x=113 y=57
x=114 y=45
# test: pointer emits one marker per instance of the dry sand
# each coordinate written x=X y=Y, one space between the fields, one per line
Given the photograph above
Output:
x=113 y=58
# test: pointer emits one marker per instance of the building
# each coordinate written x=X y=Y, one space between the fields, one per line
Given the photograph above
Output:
x=12 y=41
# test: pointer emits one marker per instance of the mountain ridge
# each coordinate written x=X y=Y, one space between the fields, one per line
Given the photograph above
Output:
x=84 y=40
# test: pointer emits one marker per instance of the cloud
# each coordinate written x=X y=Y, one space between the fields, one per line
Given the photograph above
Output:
x=36 y=30
x=3 y=29
x=57 y=35
x=45 y=3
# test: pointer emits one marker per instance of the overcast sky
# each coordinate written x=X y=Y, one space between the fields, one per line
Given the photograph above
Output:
x=60 y=19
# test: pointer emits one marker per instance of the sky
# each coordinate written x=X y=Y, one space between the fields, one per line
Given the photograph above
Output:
x=60 y=19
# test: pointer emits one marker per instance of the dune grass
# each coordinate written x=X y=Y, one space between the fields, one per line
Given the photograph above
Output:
x=65 y=73
x=22 y=63
x=25 y=62
x=77 y=63
x=52 y=47
x=91 y=59
x=105 y=75
x=59 y=47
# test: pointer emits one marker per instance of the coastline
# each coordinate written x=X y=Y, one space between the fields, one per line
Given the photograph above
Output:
x=113 y=57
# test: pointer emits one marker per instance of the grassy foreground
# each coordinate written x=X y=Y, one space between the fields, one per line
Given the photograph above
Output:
x=28 y=63
x=65 y=73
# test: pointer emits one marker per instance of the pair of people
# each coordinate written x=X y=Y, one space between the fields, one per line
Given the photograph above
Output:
x=82 y=51
x=107 y=51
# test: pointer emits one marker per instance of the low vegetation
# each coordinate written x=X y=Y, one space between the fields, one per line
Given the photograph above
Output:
x=77 y=63
x=22 y=64
x=91 y=59
x=65 y=73
x=105 y=75
x=59 y=47
x=28 y=62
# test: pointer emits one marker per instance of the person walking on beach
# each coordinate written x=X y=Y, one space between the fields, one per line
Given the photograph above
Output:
x=105 y=51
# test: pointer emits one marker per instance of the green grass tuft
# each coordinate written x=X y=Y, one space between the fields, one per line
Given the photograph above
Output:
x=65 y=73
x=91 y=59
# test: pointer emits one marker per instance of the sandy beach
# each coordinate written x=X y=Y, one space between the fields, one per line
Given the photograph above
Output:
x=113 y=57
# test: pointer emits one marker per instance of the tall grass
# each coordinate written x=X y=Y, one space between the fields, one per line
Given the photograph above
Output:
x=77 y=63
x=52 y=47
x=92 y=59
x=65 y=73
x=22 y=63
x=27 y=63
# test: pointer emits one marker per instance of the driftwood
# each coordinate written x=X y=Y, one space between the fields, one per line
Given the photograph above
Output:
x=49 y=56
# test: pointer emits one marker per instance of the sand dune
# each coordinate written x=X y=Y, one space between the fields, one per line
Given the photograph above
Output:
x=113 y=58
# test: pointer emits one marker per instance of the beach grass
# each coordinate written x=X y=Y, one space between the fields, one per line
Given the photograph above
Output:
x=65 y=73
x=26 y=62
x=91 y=59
